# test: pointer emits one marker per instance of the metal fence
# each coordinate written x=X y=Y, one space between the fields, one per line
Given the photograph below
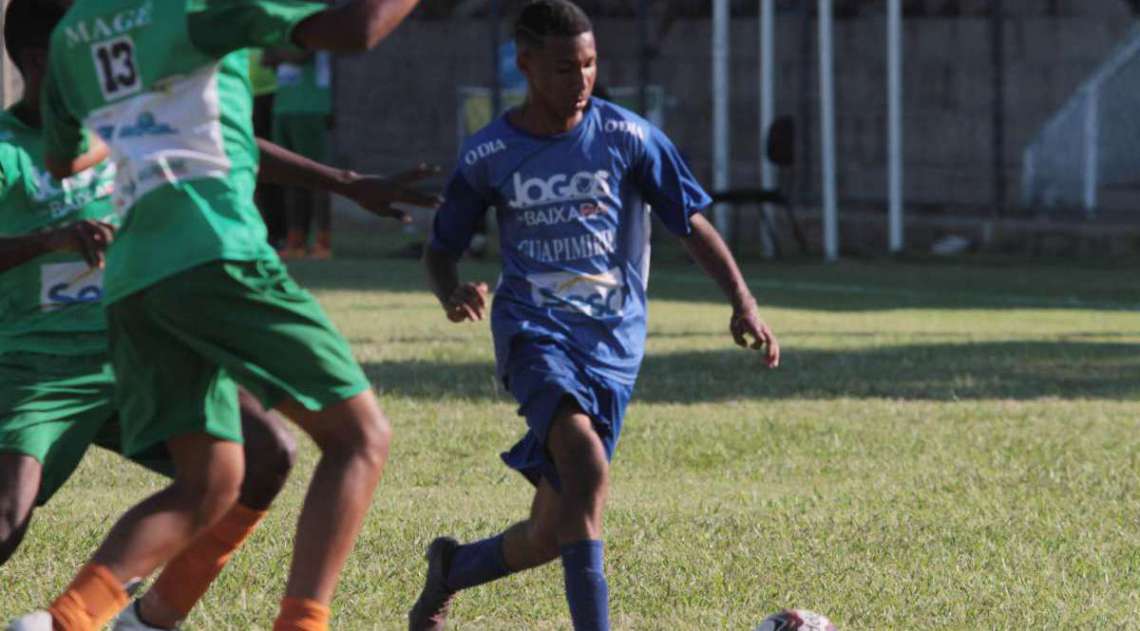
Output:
x=1093 y=142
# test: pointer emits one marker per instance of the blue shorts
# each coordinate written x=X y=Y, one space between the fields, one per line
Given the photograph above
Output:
x=541 y=374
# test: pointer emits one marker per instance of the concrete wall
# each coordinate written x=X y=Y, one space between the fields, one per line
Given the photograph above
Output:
x=397 y=104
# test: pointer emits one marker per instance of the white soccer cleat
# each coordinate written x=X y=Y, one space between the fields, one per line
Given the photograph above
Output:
x=35 y=621
x=128 y=620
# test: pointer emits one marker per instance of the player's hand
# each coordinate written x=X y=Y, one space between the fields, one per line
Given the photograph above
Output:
x=745 y=324
x=467 y=302
x=377 y=194
x=89 y=238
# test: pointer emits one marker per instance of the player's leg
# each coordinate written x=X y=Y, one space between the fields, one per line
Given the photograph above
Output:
x=273 y=337
x=553 y=392
x=191 y=407
x=295 y=213
x=51 y=407
x=580 y=457
x=269 y=454
x=322 y=222
x=312 y=142
x=270 y=451
x=564 y=524
x=19 y=483
x=453 y=567
x=208 y=473
x=298 y=213
x=354 y=437
x=575 y=419
x=268 y=196
x=534 y=542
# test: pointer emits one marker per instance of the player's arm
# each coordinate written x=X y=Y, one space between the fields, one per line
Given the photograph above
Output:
x=220 y=27
x=89 y=238
x=352 y=27
x=710 y=252
x=374 y=193
x=61 y=168
x=451 y=233
x=460 y=301
x=678 y=199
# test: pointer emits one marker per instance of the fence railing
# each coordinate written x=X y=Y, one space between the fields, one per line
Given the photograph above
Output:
x=1092 y=142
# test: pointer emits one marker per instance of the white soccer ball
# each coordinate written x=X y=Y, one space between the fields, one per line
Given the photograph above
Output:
x=796 y=620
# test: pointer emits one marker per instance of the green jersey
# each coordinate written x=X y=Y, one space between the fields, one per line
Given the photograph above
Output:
x=165 y=84
x=305 y=88
x=50 y=304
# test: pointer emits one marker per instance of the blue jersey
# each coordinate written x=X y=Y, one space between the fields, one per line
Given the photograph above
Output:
x=574 y=228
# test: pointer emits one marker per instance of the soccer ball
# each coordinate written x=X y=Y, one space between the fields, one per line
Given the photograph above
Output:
x=796 y=620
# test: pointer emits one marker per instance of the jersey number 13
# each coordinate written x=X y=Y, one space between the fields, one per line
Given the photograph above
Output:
x=116 y=67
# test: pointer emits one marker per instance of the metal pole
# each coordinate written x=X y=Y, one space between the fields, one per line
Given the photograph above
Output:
x=894 y=116
x=767 y=88
x=1092 y=141
x=767 y=113
x=804 y=104
x=827 y=127
x=643 y=62
x=496 y=43
x=997 y=55
x=720 y=98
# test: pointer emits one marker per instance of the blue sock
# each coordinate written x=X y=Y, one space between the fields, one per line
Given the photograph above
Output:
x=586 y=589
x=477 y=563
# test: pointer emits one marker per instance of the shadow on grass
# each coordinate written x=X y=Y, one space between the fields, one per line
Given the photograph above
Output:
x=849 y=286
x=933 y=372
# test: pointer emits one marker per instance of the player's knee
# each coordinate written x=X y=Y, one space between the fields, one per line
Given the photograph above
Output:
x=365 y=435
x=268 y=464
x=579 y=455
x=373 y=439
x=281 y=456
x=206 y=498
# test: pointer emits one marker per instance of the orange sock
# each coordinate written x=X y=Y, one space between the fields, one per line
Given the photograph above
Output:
x=302 y=614
x=92 y=599
x=186 y=578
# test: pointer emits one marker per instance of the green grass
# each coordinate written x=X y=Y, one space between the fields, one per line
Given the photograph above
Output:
x=944 y=446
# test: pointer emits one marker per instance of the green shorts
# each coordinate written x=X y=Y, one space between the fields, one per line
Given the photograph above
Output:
x=181 y=346
x=306 y=134
x=52 y=408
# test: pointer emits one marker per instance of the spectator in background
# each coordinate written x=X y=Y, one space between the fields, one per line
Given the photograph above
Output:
x=270 y=197
x=302 y=109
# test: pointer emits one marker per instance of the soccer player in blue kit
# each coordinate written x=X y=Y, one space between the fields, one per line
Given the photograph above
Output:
x=570 y=177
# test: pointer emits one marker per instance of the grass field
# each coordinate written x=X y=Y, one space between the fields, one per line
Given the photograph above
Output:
x=945 y=446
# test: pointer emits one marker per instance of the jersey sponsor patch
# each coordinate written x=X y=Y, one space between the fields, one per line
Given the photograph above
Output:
x=597 y=295
x=67 y=284
x=484 y=150
x=151 y=150
x=613 y=126
x=560 y=188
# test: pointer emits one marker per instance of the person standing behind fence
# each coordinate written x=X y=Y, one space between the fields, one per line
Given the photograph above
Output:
x=270 y=197
x=302 y=109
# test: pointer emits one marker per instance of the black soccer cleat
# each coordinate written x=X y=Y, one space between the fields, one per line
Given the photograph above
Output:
x=430 y=611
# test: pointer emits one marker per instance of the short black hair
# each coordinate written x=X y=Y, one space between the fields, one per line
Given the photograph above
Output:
x=29 y=23
x=557 y=18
